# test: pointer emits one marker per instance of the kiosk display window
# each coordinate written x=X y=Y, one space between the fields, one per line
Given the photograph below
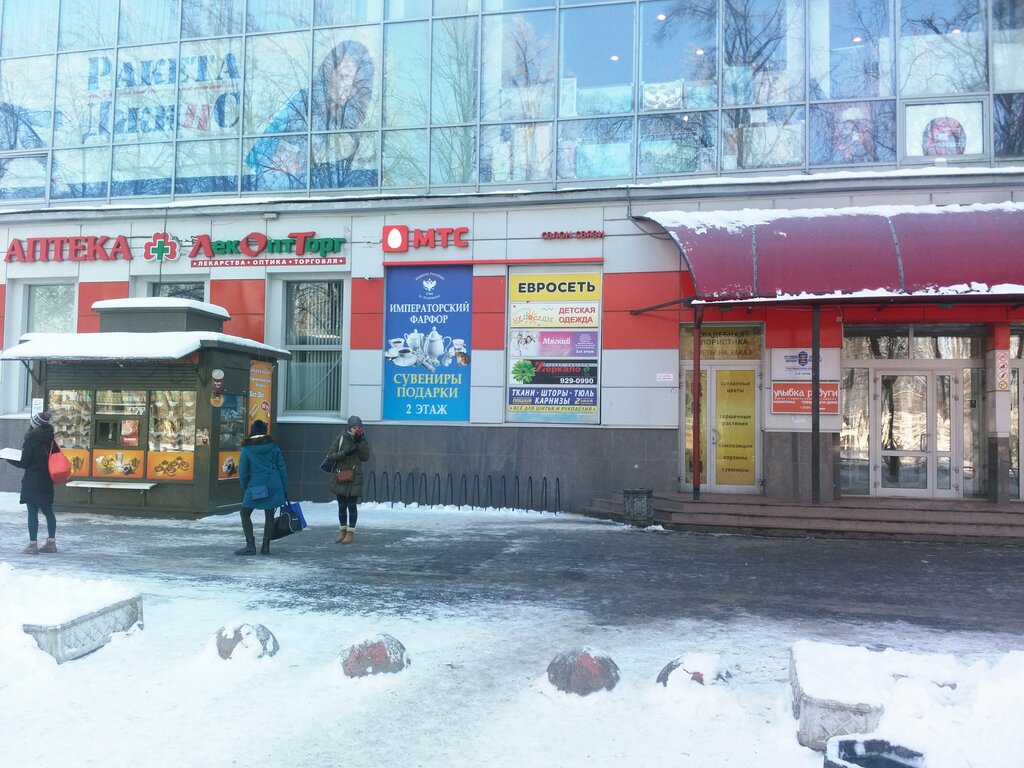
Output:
x=231 y=432
x=72 y=411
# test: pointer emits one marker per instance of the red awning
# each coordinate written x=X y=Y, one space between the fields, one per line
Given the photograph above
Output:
x=851 y=253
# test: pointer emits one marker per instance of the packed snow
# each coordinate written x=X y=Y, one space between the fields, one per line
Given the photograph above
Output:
x=476 y=691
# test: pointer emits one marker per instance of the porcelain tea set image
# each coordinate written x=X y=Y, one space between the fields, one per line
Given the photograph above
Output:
x=427 y=349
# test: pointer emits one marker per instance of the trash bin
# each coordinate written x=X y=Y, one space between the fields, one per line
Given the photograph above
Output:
x=638 y=507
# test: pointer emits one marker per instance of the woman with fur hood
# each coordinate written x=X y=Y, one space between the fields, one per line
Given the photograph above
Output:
x=262 y=473
x=36 y=485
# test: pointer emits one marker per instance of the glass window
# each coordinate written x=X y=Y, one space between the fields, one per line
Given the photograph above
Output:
x=1007 y=43
x=853 y=132
x=195 y=291
x=345 y=160
x=142 y=170
x=764 y=137
x=275 y=163
x=210 y=18
x=144 y=107
x=942 y=47
x=454 y=67
x=453 y=155
x=406 y=74
x=206 y=166
x=764 y=52
x=25 y=109
x=1008 y=124
x=851 y=49
x=148 y=21
x=276 y=82
x=891 y=343
x=518 y=67
x=517 y=152
x=329 y=13
x=671 y=144
x=455 y=7
x=951 y=129
x=939 y=344
x=404 y=158
x=678 y=55
x=592 y=149
x=313 y=330
x=24 y=177
x=51 y=309
x=84 y=102
x=397 y=10
x=36 y=22
x=276 y=15
x=854 y=440
x=87 y=24
x=516 y=5
x=346 y=81
x=80 y=173
x=210 y=88
x=597 y=61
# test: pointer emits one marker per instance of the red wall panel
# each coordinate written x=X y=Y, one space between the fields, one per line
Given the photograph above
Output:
x=657 y=329
x=786 y=327
x=366 y=327
x=89 y=294
x=368 y=296
x=488 y=331
x=636 y=290
x=245 y=301
x=3 y=310
x=489 y=294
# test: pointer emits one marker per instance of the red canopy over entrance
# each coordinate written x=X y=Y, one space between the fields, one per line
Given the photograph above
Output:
x=851 y=253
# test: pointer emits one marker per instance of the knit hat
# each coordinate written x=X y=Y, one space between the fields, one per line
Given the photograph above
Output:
x=259 y=427
x=38 y=419
x=355 y=421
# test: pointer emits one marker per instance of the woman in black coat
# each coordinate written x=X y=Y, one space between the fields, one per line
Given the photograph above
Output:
x=36 y=485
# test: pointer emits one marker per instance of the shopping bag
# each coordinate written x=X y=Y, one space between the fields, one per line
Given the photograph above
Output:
x=59 y=466
x=327 y=465
x=289 y=520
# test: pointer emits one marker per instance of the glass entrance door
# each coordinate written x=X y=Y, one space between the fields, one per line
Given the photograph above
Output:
x=916 y=434
x=729 y=441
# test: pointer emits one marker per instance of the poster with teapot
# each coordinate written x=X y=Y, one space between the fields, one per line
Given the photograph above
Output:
x=427 y=356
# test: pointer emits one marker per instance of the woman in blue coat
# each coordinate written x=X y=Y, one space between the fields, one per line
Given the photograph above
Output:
x=262 y=474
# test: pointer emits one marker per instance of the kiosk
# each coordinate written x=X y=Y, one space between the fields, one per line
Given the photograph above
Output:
x=152 y=409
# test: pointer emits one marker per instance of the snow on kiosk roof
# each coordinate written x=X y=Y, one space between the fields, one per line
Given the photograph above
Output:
x=849 y=254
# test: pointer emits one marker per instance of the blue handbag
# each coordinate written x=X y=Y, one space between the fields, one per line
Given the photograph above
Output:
x=289 y=520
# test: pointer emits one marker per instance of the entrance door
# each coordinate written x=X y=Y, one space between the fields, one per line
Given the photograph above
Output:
x=916 y=435
x=729 y=444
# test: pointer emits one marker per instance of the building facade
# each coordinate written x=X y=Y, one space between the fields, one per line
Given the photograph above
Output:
x=480 y=225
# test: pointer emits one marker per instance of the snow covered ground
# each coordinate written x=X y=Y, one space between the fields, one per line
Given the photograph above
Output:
x=476 y=692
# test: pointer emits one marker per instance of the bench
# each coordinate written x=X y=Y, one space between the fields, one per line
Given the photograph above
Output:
x=109 y=484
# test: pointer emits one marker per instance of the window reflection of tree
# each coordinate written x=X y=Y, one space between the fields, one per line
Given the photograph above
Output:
x=1008 y=124
x=943 y=48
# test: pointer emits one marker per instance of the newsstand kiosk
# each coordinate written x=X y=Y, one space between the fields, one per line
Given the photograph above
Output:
x=152 y=410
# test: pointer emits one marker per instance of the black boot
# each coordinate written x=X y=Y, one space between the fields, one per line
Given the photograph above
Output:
x=249 y=548
x=265 y=549
x=268 y=531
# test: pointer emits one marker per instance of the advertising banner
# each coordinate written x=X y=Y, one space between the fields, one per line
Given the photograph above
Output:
x=427 y=331
x=548 y=344
x=795 y=364
x=795 y=397
x=735 y=400
x=569 y=404
x=261 y=378
x=540 y=314
x=563 y=372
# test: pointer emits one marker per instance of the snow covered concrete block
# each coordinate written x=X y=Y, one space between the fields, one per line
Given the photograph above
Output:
x=253 y=641
x=383 y=653
x=859 y=751
x=583 y=671
x=821 y=718
x=84 y=634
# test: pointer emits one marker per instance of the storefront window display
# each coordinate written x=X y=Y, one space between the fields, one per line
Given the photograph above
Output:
x=201 y=18
x=943 y=47
x=763 y=137
x=764 y=52
x=518 y=67
x=596 y=72
x=678 y=143
x=853 y=132
x=1008 y=125
x=851 y=49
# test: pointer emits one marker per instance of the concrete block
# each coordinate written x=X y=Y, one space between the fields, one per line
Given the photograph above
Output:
x=84 y=634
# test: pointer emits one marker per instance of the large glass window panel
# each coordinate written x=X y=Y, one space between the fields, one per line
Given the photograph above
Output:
x=26 y=111
x=516 y=5
x=678 y=54
x=144 y=105
x=148 y=21
x=1007 y=44
x=346 y=79
x=851 y=49
x=948 y=129
x=35 y=22
x=211 y=18
x=853 y=132
x=329 y=13
x=80 y=173
x=1008 y=124
x=87 y=24
x=596 y=75
x=453 y=155
x=404 y=158
x=671 y=144
x=142 y=170
x=276 y=15
x=345 y=160
x=593 y=149
x=313 y=326
x=206 y=166
x=877 y=344
x=275 y=163
x=196 y=291
x=455 y=7
x=763 y=137
x=276 y=81
x=51 y=308
x=940 y=344
x=855 y=437
x=453 y=68
x=763 y=52
x=210 y=88
x=942 y=47
x=399 y=10
x=517 y=152
x=406 y=74
x=518 y=67
x=23 y=178
x=85 y=99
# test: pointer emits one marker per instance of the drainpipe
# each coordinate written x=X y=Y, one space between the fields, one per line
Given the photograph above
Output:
x=698 y=319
